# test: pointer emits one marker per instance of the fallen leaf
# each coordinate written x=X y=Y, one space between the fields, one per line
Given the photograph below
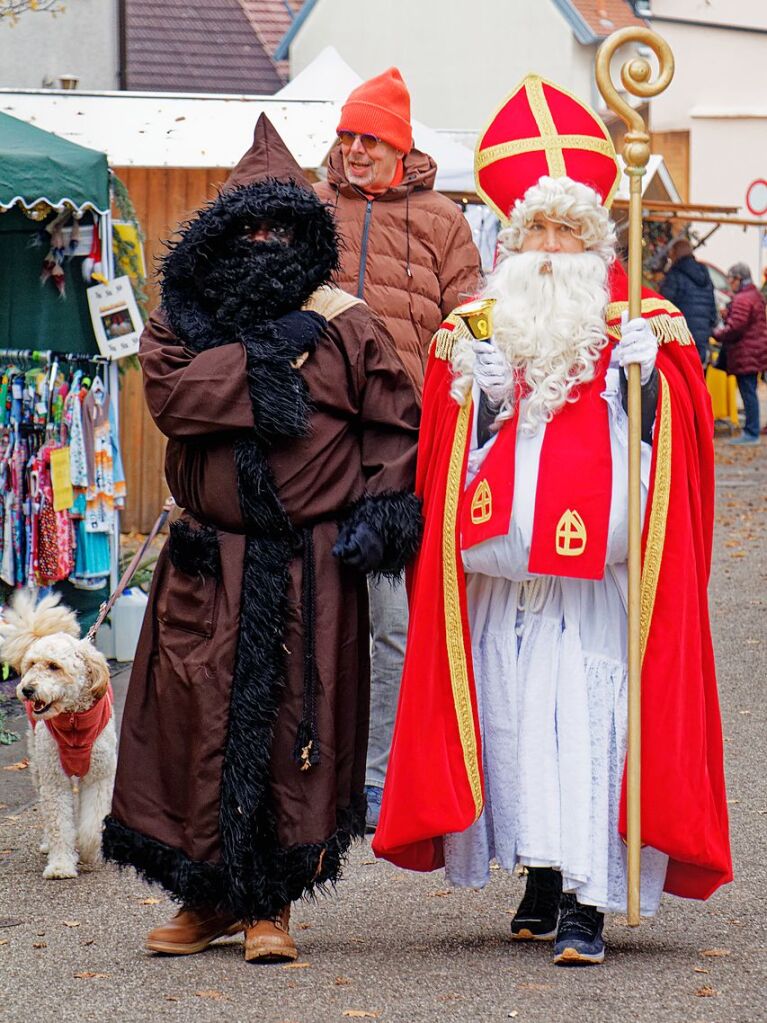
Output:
x=442 y=894
x=513 y=1014
x=150 y=902
x=296 y=966
x=342 y=980
x=360 y=1014
x=20 y=765
x=303 y=926
x=369 y=863
x=699 y=969
x=90 y=975
x=39 y=944
x=706 y=991
x=6 y=852
x=533 y=987
x=71 y=923
x=9 y=921
x=715 y=953
x=3 y=941
x=215 y=996
x=172 y=998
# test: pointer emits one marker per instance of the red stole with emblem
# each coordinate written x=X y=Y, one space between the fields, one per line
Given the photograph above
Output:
x=572 y=503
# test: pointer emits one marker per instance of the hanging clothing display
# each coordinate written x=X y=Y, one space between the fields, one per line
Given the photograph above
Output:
x=61 y=474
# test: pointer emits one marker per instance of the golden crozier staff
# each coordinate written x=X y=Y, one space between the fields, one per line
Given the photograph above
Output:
x=636 y=75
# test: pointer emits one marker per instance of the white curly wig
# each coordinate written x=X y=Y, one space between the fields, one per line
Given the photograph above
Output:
x=563 y=199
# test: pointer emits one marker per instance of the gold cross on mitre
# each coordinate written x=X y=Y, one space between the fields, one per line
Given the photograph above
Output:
x=542 y=129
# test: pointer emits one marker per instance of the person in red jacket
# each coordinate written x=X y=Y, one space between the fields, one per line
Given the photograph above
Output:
x=744 y=345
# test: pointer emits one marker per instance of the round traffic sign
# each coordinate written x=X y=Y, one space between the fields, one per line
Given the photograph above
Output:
x=756 y=197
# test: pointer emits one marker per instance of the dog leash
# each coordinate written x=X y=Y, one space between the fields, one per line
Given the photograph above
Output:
x=129 y=572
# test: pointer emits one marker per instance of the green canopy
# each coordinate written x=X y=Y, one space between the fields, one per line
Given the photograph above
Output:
x=38 y=166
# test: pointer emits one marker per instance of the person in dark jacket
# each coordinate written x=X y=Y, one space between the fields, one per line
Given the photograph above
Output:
x=744 y=345
x=688 y=285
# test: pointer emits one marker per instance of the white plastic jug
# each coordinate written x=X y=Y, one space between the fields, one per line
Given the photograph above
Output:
x=127 y=616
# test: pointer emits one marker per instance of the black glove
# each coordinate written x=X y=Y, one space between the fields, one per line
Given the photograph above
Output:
x=360 y=547
x=302 y=327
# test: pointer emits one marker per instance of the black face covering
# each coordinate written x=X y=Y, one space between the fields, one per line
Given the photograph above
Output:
x=216 y=282
x=253 y=281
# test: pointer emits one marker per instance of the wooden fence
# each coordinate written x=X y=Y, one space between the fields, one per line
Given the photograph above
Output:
x=163 y=198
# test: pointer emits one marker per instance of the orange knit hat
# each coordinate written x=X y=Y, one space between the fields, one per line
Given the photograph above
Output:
x=381 y=107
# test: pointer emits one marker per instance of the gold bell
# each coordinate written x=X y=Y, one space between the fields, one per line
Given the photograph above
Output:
x=478 y=317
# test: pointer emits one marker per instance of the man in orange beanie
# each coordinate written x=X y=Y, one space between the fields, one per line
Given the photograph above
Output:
x=408 y=252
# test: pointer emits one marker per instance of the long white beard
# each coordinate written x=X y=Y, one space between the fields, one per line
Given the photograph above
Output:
x=550 y=326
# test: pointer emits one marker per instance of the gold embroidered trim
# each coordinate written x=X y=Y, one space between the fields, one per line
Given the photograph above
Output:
x=524 y=145
x=549 y=139
x=444 y=340
x=456 y=654
x=589 y=143
x=656 y=530
x=667 y=323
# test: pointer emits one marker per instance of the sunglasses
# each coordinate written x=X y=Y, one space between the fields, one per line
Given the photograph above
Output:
x=346 y=138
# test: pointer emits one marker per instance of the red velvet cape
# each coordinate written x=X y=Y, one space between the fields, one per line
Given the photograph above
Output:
x=434 y=783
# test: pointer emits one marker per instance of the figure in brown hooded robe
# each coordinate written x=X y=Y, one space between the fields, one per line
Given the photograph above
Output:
x=292 y=427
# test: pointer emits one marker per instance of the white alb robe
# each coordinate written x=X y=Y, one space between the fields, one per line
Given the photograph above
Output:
x=550 y=667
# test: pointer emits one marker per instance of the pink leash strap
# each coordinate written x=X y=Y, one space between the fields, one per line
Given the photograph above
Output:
x=128 y=574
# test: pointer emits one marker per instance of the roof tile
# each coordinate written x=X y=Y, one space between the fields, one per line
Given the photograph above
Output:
x=195 y=46
x=606 y=16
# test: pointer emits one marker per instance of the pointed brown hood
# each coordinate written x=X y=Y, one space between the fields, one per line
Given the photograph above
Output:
x=216 y=282
x=268 y=157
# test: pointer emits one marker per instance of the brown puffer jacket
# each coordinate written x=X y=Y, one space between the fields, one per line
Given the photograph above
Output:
x=408 y=252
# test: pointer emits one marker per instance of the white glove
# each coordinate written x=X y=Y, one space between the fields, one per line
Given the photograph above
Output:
x=638 y=345
x=491 y=370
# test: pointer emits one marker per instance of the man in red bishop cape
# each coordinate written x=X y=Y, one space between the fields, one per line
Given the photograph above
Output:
x=510 y=738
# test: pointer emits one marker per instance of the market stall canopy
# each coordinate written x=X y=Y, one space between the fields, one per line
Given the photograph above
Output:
x=657 y=182
x=329 y=77
x=39 y=167
x=175 y=129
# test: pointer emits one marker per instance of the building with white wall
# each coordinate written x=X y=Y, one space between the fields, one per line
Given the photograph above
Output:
x=460 y=57
x=718 y=96
x=41 y=47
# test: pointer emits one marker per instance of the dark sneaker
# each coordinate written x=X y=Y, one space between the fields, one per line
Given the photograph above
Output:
x=579 y=934
x=373 y=795
x=536 y=918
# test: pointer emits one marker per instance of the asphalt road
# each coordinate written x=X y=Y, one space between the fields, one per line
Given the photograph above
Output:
x=403 y=948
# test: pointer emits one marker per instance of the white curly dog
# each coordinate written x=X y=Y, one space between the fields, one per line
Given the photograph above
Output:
x=65 y=688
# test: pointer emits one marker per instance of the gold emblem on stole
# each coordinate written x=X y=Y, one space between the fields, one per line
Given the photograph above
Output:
x=571 y=535
x=482 y=504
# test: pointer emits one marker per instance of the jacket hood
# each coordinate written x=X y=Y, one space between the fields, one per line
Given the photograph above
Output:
x=690 y=267
x=216 y=282
x=420 y=172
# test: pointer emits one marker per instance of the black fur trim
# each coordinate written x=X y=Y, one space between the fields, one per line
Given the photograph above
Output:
x=219 y=288
x=295 y=870
x=217 y=285
x=396 y=517
x=194 y=550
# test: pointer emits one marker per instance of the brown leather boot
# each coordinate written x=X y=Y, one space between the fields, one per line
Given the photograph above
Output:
x=269 y=941
x=191 y=931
